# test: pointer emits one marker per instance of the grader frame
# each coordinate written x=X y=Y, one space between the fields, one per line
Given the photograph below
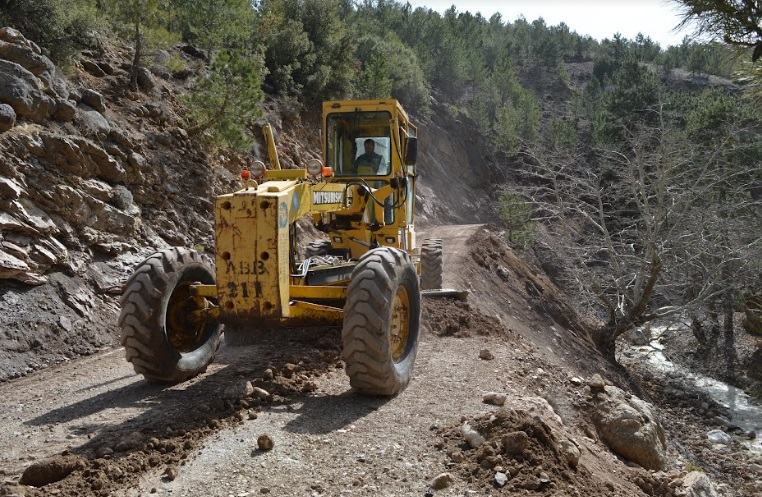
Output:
x=365 y=277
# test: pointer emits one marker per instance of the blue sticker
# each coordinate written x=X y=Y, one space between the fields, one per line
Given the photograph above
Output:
x=295 y=202
x=283 y=215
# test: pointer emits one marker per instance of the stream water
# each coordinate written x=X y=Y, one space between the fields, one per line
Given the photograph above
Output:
x=745 y=411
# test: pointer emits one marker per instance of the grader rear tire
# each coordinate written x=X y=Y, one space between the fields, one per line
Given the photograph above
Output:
x=431 y=264
x=382 y=314
x=318 y=248
x=161 y=340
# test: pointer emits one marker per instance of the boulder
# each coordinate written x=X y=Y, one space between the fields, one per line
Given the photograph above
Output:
x=122 y=198
x=698 y=484
x=194 y=52
x=160 y=60
x=11 y=35
x=24 y=56
x=93 y=99
x=93 y=68
x=91 y=122
x=570 y=452
x=65 y=111
x=20 y=89
x=75 y=94
x=58 y=86
x=7 y=117
x=629 y=426
x=106 y=67
x=145 y=80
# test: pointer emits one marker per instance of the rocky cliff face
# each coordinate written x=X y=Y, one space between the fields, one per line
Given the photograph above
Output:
x=94 y=177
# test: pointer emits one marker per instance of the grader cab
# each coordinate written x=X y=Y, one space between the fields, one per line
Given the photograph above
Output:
x=366 y=277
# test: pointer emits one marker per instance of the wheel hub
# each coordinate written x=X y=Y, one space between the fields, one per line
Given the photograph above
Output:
x=400 y=325
x=184 y=332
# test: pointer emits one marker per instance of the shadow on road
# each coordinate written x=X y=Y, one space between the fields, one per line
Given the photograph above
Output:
x=194 y=408
x=325 y=414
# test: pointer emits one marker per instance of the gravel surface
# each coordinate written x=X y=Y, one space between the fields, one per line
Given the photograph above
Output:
x=278 y=417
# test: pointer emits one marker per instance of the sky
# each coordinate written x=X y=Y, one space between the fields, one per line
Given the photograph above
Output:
x=597 y=18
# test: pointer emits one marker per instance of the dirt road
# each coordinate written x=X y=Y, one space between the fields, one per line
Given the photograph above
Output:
x=116 y=434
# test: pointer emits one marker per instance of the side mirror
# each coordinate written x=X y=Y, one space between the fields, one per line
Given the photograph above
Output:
x=411 y=151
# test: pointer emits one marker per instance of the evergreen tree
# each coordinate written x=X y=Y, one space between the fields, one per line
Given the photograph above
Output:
x=214 y=24
x=309 y=47
x=146 y=22
x=226 y=100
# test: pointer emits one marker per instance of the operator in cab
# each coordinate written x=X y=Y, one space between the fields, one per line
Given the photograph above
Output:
x=370 y=163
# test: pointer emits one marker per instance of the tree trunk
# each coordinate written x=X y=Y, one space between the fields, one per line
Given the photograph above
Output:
x=697 y=327
x=136 y=58
x=727 y=327
x=604 y=339
x=607 y=347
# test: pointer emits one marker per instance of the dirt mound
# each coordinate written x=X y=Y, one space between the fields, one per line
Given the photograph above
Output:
x=450 y=317
x=521 y=453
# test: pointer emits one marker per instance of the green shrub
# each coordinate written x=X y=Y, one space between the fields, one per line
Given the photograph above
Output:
x=60 y=27
x=226 y=100
x=176 y=64
x=516 y=215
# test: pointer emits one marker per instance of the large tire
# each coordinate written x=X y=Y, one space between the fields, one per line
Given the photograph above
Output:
x=431 y=264
x=161 y=341
x=382 y=315
x=318 y=248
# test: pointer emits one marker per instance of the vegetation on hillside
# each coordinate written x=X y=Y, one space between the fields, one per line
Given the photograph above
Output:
x=648 y=180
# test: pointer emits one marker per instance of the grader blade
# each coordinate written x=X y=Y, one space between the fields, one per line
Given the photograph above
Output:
x=446 y=293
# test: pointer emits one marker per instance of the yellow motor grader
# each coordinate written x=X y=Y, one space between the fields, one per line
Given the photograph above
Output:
x=367 y=277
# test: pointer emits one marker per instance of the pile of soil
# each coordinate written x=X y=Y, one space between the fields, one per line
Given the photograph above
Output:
x=520 y=454
x=451 y=317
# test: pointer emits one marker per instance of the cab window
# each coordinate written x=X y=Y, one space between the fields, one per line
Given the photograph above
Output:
x=358 y=143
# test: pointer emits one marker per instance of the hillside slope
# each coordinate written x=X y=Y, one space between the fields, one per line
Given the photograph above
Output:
x=93 y=427
x=98 y=177
x=88 y=193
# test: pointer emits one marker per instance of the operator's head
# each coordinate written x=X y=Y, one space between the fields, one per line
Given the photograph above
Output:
x=370 y=146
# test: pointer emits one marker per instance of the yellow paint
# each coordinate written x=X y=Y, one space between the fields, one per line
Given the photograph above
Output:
x=285 y=174
x=318 y=292
x=272 y=152
x=254 y=263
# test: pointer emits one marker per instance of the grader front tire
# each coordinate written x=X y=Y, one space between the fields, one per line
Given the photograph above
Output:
x=160 y=338
x=381 y=319
x=432 y=264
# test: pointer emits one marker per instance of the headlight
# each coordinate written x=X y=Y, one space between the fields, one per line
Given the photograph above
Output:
x=314 y=167
x=258 y=169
